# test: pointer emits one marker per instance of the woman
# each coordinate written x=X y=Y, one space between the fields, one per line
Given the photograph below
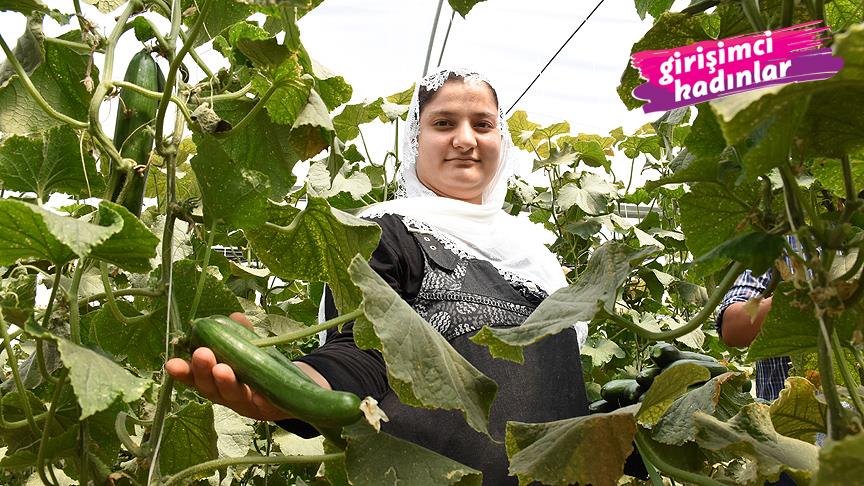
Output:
x=450 y=251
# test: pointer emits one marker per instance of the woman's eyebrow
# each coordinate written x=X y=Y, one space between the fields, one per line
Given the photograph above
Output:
x=479 y=114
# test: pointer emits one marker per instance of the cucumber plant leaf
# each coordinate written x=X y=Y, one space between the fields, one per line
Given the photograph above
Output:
x=445 y=379
x=267 y=147
x=831 y=126
x=223 y=14
x=377 y=458
x=581 y=450
x=317 y=246
x=189 y=438
x=798 y=412
x=790 y=327
x=240 y=204
x=840 y=461
x=668 y=386
x=593 y=292
x=30 y=232
x=58 y=80
x=114 y=337
x=751 y=434
x=131 y=248
x=87 y=367
x=721 y=396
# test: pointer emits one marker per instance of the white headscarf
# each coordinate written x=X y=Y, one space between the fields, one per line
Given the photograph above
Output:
x=483 y=231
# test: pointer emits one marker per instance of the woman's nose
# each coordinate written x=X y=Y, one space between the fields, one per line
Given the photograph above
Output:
x=464 y=138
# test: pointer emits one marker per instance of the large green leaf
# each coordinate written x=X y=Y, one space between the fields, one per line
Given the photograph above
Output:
x=592 y=194
x=267 y=147
x=757 y=251
x=583 y=450
x=97 y=380
x=593 y=292
x=422 y=368
x=798 y=412
x=347 y=122
x=25 y=7
x=791 y=327
x=832 y=125
x=223 y=13
x=840 y=462
x=28 y=50
x=712 y=213
x=317 y=246
x=720 y=397
x=840 y=14
x=750 y=434
x=188 y=438
x=48 y=163
x=601 y=351
x=115 y=337
x=30 y=232
x=58 y=80
x=830 y=174
x=378 y=459
x=132 y=247
x=240 y=204
x=671 y=384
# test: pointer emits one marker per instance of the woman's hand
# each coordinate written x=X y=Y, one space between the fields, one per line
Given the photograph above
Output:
x=217 y=382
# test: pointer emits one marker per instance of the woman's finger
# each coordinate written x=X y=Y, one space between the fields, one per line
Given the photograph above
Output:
x=203 y=361
x=180 y=370
x=232 y=391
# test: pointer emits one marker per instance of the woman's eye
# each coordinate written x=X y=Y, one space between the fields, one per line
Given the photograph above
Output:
x=485 y=124
x=440 y=123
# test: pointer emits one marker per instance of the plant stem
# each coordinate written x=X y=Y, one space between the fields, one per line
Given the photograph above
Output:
x=139 y=292
x=104 y=87
x=309 y=331
x=123 y=435
x=836 y=424
x=181 y=477
x=253 y=112
x=645 y=450
x=20 y=424
x=16 y=376
x=55 y=286
x=787 y=12
x=840 y=355
x=155 y=95
x=199 y=289
x=174 y=66
x=78 y=46
x=49 y=419
x=235 y=95
x=696 y=321
x=34 y=93
x=112 y=304
x=74 y=321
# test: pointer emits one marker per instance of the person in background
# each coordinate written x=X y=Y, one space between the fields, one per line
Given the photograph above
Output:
x=738 y=327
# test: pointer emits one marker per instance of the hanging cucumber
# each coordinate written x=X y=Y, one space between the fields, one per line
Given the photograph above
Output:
x=273 y=379
x=133 y=133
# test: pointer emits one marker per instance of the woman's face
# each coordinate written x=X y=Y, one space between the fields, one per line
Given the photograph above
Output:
x=459 y=145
